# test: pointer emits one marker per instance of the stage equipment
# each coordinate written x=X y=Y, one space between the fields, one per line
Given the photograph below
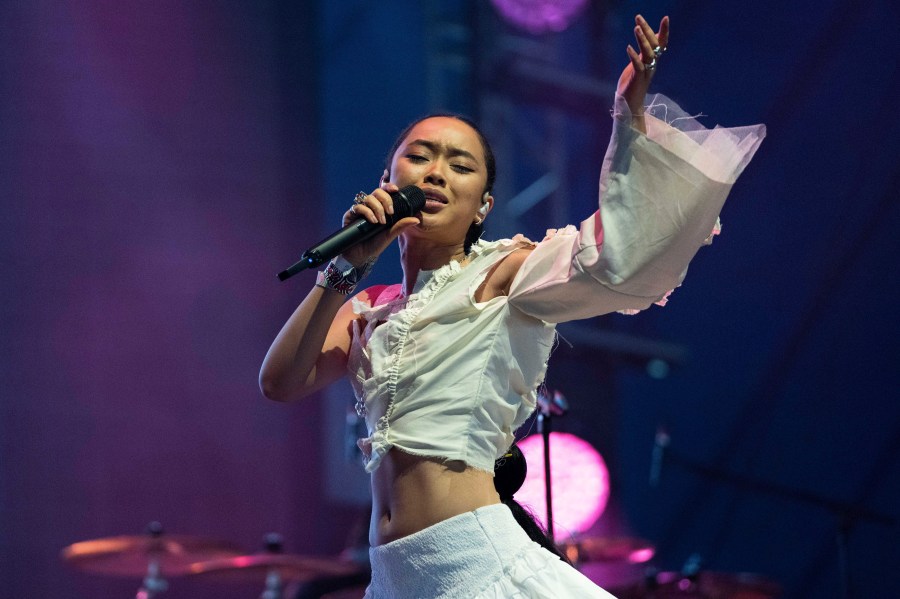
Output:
x=700 y=585
x=846 y=513
x=153 y=555
x=271 y=566
x=540 y=16
x=274 y=568
x=579 y=483
x=608 y=550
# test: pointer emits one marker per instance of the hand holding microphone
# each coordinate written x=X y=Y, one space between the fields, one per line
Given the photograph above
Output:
x=370 y=225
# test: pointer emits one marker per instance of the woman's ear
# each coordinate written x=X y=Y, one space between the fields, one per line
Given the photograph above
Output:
x=385 y=177
x=487 y=204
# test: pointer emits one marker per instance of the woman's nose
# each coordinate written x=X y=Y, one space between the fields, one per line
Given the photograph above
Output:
x=435 y=175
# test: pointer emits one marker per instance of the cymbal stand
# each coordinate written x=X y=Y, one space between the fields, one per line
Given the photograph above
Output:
x=274 y=544
x=154 y=583
x=274 y=586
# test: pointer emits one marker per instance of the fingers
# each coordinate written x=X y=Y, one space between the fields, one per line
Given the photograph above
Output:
x=635 y=59
x=375 y=206
x=646 y=37
x=650 y=44
x=663 y=34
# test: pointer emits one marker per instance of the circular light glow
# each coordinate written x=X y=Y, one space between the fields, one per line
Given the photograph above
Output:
x=580 y=483
x=540 y=16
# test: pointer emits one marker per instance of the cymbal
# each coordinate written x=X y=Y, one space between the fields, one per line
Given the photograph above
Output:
x=703 y=585
x=128 y=556
x=255 y=567
x=608 y=549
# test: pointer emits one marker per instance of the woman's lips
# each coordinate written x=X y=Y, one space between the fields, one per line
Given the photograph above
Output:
x=433 y=205
x=434 y=201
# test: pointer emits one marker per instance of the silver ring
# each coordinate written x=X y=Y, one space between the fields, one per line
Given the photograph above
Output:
x=360 y=198
x=658 y=51
x=650 y=66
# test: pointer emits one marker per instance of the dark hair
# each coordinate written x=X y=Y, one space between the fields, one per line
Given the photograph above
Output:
x=509 y=474
x=475 y=231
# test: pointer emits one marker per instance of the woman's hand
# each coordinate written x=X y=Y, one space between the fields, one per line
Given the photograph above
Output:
x=375 y=208
x=636 y=77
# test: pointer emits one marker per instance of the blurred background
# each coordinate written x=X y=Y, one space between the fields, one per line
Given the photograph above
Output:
x=160 y=162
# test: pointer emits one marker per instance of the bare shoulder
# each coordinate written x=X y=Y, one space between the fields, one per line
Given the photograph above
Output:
x=514 y=261
x=370 y=296
x=500 y=277
x=377 y=294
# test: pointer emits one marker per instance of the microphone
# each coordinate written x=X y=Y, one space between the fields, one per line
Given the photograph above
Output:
x=660 y=442
x=557 y=405
x=407 y=202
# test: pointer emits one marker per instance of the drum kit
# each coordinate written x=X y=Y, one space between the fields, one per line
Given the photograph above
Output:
x=156 y=557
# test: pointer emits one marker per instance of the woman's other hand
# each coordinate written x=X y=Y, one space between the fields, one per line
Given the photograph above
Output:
x=635 y=79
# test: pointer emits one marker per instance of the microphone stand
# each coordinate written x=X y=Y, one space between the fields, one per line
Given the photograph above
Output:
x=547 y=408
x=544 y=420
x=847 y=513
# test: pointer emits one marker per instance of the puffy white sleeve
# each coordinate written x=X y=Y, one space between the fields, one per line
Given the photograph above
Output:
x=660 y=198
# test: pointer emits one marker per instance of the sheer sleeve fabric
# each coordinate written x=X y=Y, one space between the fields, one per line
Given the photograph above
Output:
x=660 y=197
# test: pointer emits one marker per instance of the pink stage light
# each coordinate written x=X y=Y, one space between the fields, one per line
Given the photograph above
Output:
x=580 y=483
x=540 y=16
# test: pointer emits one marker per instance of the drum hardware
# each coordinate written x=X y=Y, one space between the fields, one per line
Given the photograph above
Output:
x=699 y=585
x=153 y=556
x=625 y=550
x=847 y=514
x=272 y=565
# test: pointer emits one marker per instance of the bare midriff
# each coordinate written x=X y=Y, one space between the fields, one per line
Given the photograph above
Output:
x=410 y=493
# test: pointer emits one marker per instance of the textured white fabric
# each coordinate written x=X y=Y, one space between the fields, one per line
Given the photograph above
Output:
x=442 y=375
x=445 y=375
x=483 y=554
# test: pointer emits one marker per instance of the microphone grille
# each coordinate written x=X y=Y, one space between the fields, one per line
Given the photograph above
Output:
x=407 y=202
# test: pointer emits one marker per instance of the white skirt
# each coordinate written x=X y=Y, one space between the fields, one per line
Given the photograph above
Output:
x=483 y=554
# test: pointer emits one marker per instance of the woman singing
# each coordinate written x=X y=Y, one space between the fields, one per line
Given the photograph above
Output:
x=445 y=364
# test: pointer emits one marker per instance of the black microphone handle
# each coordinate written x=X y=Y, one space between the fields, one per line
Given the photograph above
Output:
x=407 y=202
x=356 y=232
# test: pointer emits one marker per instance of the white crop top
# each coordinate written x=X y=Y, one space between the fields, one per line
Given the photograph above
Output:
x=438 y=374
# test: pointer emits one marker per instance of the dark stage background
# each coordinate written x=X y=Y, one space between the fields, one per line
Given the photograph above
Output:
x=160 y=162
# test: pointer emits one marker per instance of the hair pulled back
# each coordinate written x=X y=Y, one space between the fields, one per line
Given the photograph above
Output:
x=509 y=474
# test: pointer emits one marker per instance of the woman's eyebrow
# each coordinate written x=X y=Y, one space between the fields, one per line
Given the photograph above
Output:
x=451 y=150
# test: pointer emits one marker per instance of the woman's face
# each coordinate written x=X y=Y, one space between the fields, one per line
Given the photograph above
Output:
x=444 y=157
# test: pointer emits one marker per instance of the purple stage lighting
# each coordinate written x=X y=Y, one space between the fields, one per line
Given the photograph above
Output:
x=580 y=482
x=540 y=16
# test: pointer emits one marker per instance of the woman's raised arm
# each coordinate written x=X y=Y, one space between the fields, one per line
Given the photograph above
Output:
x=635 y=78
x=662 y=185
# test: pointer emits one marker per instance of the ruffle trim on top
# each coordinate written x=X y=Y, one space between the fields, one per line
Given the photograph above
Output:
x=428 y=284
